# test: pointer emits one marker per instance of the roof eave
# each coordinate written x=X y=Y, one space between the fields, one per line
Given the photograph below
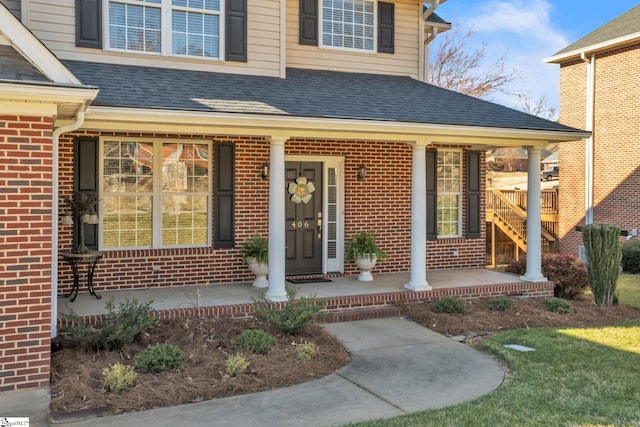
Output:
x=594 y=48
x=102 y=117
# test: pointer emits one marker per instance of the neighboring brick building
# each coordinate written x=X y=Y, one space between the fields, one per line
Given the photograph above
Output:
x=600 y=92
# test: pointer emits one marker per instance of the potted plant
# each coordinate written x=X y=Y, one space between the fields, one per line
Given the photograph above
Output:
x=255 y=251
x=362 y=249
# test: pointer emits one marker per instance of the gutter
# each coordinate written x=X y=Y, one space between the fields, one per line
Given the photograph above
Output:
x=55 y=196
x=589 y=144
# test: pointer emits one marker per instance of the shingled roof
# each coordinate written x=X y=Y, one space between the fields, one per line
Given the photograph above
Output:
x=624 y=25
x=304 y=93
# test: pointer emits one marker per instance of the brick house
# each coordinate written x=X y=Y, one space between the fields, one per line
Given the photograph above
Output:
x=600 y=92
x=190 y=120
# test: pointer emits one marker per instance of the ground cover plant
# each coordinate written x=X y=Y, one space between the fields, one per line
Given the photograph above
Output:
x=78 y=382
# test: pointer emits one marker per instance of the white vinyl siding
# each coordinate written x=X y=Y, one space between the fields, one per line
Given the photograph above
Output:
x=53 y=22
x=403 y=62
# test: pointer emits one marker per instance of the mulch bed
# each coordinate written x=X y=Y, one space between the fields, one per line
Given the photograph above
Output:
x=77 y=383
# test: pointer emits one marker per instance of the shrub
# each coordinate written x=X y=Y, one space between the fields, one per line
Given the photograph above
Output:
x=114 y=329
x=451 y=305
x=558 y=305
x=631 y=256
x=567 y=271
x=604 y=254
x=295 y=315
x=158 y=357
x=119 y=377
x=518 y=266
x=236 y=364
x=254 y=340
x=501 y=304
x=307 y=350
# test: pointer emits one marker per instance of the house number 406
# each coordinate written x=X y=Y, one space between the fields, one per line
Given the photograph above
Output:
x=300 y=224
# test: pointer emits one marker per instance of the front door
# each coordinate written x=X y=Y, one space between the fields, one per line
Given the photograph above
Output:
x=303 y=212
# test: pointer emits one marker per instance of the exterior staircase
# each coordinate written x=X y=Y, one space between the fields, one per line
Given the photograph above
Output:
x=507 y=216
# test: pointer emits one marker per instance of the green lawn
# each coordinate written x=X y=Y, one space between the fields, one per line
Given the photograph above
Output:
x=629 y=289
x=576 y=377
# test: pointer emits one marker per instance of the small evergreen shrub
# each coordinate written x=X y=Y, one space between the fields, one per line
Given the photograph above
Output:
x=567 y=271
x=631 y=256
x=236 y=364
x=119 y=377
x=296 y=314
x=604 y=256
x=115 y=329
x=307 y=351
x=558 y=305
x=451 y=305
x=254 y=340
x=501 y=304
x=158 y=357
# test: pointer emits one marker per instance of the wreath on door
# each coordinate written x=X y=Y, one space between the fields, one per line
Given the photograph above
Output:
x=301 y=190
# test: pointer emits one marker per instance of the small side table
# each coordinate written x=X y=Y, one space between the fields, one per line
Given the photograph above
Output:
x=90 y=259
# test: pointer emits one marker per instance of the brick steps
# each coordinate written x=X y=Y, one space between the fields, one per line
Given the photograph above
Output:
x=368 y=306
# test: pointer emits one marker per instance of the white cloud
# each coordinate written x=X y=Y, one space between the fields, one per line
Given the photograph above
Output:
x=522 y=32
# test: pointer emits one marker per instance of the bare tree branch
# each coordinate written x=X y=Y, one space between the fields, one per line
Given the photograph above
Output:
x=455 y=68
x=537 y=107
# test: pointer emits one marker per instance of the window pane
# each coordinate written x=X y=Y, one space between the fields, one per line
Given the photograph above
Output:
x=196 y=34
x=128 y=188
x=185 y=189
x=449 y=187
x=127 y=201
x=348 y=24
x=134 y=27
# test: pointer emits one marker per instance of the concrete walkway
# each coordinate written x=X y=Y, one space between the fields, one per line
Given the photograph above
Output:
x=397 y=367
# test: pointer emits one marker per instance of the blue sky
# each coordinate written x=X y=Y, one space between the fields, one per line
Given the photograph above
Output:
x=527 y=31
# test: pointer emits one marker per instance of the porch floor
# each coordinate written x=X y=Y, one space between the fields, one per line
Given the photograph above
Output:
x=342 y=292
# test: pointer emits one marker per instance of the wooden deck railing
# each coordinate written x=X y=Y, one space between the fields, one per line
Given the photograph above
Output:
x=507 y=210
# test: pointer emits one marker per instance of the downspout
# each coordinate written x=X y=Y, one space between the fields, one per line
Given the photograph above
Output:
x=589 y=145
x=427 y=41
x=283 y=39
x=55 y=189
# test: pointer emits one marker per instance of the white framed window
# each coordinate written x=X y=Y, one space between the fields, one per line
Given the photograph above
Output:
x=154 y=194
x=190 y=28
x=449 y=193
x=349 y=24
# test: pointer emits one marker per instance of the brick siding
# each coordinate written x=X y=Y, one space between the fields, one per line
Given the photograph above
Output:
x=616 y=144
x=382 y=202
x=25 y=251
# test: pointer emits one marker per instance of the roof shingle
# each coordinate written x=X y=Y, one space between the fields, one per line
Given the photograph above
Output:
x=304 y=93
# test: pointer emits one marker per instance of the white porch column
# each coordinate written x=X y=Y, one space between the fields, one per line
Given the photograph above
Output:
x=534 y=224
x=418 y=281
x=276 y=290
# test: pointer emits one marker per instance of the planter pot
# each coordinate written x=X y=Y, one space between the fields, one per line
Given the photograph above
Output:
x=365 y=264
x=260 y=270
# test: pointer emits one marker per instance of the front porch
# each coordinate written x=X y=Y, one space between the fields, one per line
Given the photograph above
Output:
x=348 y=298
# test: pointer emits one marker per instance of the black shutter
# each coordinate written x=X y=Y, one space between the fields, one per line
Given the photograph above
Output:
x=473 y=195
x=224 y=196
x=85 y=180
x=386 y=22
x=309 y=22
x=89 y=23
x=236 y=32
x=432 y=199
